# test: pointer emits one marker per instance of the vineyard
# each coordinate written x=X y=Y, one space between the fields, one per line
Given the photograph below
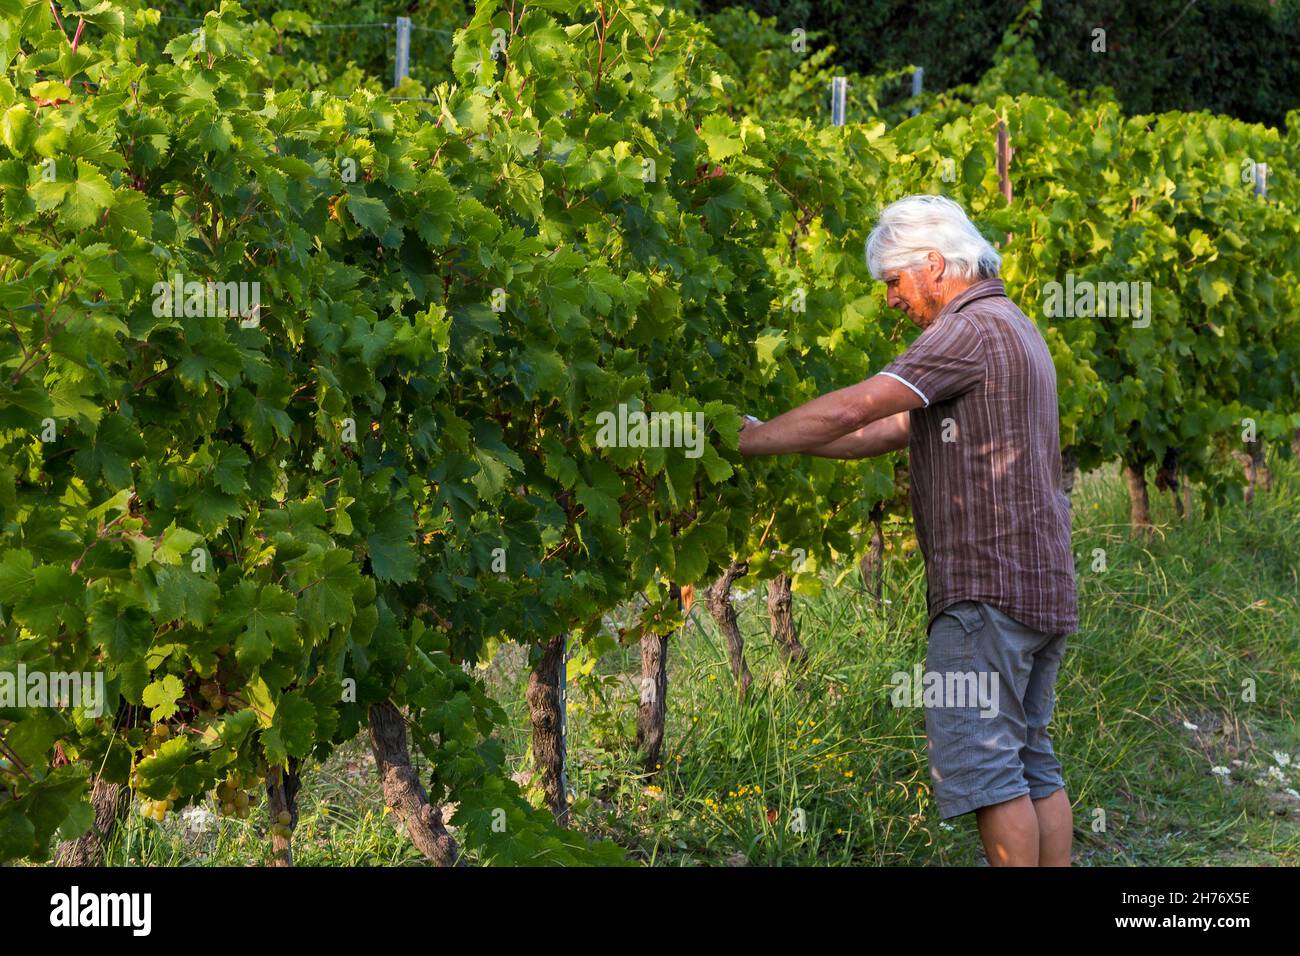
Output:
x=308 y=382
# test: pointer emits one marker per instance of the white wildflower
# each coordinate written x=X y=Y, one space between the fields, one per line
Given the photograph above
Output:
x=198 y=819
x=1190 y=726
x=1220 y=771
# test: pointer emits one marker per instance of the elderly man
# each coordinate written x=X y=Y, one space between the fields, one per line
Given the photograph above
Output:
x=974 y=402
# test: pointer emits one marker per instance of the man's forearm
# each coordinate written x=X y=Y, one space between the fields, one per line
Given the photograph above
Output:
x=829 y=418
x=877 y=438
x=810 y=425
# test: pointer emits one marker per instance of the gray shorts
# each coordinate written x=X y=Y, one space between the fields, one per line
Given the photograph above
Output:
x=987 y=736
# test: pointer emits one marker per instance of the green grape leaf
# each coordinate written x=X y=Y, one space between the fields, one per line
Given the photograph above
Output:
x=162 y=696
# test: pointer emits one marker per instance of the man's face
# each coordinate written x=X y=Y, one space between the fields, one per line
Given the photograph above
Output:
x=915 y=292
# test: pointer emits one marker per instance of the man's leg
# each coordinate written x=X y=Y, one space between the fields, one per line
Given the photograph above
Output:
x=975 y=749
x=1055 y=829
x=1042 y=768
x=1010 y=832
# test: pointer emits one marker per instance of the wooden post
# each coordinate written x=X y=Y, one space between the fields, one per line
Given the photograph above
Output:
x=564 y=728
x=1004 y=161
x=1004 y=164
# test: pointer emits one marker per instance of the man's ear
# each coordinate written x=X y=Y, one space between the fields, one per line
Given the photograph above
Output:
x=935 y=266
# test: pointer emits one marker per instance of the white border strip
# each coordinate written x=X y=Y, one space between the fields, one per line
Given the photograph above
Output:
x=920 y=393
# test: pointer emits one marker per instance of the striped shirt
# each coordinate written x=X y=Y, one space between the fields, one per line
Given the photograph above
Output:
x=992 y=520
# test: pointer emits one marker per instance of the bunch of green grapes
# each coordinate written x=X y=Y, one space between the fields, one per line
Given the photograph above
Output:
x=234 y=795
x=212 y=694
x=150 y=808
x=156 y=810
x=157 y=735
x=281 y=826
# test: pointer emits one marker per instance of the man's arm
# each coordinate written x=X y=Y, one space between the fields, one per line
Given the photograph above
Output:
x=830 y=417
x=878 y=438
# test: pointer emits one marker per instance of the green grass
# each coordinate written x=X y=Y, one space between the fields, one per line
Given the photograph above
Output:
x=819 y=768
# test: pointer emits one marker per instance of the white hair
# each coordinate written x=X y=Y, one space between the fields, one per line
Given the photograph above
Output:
x=916 y=225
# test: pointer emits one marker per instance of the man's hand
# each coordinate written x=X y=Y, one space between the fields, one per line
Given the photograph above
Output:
x=823 y=420
x=747 y=425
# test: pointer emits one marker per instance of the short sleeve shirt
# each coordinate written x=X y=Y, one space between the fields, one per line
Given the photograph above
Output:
x=992 y=518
